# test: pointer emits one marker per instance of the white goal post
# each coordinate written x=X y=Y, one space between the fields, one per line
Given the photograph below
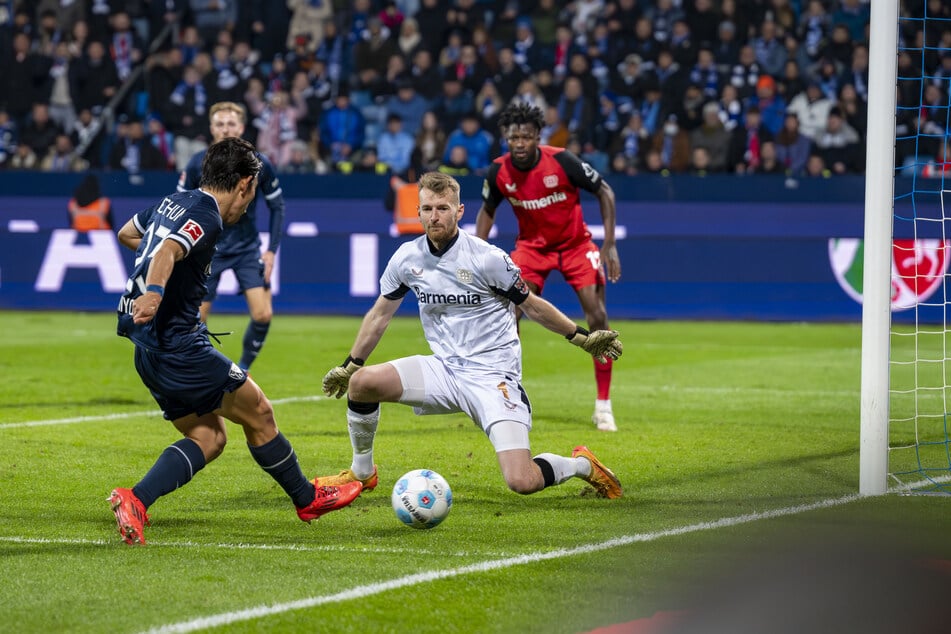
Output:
x=876 y=286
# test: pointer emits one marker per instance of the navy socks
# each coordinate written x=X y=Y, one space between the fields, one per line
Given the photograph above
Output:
x=277 y=457
x=254 y=337
x=175 y=466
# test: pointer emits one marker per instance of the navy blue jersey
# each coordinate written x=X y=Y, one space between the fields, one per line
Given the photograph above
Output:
x=242 y=236
x=193 y=221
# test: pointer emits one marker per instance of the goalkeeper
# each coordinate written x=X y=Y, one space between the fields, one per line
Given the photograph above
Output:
x=467 y=291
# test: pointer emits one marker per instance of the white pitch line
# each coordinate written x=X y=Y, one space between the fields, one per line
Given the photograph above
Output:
x=360 y=592
x=121 y=415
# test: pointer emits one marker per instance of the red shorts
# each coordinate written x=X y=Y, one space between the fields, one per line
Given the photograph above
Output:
x=580 y=265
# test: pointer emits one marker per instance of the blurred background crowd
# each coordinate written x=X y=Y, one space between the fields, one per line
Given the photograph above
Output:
x=401 y=86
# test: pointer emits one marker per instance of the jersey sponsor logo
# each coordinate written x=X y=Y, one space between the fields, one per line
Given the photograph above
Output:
x=464 y=276
x=590 y=172
x=540 y=203
x=918 y=268
x=192 y=231
x=550 y=181
x=464 y=299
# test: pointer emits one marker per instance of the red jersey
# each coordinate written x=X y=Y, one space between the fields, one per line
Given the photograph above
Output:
x=545 y=198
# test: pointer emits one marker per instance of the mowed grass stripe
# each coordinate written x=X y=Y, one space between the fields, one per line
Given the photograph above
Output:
x=123 y=415
x=726 y=390
x=375 y=550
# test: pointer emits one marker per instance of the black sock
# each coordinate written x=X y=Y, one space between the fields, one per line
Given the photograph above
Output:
x=277 y=457
x=547 y=472
x=362 y=408
x=175 y=467
x=254 y=336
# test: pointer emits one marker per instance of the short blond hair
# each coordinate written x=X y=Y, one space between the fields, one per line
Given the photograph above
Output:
x=228 y=106
x=440 y=184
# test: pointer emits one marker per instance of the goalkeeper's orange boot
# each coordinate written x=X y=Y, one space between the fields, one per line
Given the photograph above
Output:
x=601 y=478
x=345 y=476
x=329 y=498
x=130 y=513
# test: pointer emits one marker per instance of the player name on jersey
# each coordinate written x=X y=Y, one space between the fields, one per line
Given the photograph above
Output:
x=170 y=210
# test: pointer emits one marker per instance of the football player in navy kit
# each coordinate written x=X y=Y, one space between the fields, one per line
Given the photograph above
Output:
x=543 y=185
x=239 y=247
x=467 y=291
x=196 y=386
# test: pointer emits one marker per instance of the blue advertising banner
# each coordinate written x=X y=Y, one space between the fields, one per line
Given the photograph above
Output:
x=664 y=277
x=701 y=255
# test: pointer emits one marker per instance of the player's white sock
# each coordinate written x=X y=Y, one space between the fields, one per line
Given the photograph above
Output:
x=362 y=430
x=566 y=468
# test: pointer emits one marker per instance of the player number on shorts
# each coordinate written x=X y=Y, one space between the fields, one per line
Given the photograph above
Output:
x=595 y=258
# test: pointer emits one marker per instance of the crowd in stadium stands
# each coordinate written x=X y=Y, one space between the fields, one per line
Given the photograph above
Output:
x=631 y=86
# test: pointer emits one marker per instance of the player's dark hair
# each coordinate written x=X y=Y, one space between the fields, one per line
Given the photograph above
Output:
x=440 y=184
x=227 y=162
x=519 y=113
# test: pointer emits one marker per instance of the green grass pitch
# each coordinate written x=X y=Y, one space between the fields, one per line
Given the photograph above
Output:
x=737 y=443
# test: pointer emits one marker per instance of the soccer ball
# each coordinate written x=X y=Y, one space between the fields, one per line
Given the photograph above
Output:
x=421 y=498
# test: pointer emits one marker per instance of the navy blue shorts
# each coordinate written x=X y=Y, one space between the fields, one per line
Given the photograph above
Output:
x=248 y=268
x=191 y=381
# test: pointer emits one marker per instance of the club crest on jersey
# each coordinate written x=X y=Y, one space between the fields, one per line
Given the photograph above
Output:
x=235 y=372
x=464 y=276
x=192 y=231
x=550 y=181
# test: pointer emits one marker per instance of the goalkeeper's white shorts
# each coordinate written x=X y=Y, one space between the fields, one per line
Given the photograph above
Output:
x=487 y=397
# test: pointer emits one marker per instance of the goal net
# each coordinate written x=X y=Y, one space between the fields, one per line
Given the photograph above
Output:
x=906 y=348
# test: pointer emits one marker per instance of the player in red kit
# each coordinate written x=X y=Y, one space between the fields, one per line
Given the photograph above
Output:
x=543 y=184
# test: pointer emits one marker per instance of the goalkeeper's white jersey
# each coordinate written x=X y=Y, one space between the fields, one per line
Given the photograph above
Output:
x=465 y=300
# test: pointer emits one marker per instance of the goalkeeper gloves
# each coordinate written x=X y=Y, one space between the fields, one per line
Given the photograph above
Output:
x=336 y=381
x=601 y=344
